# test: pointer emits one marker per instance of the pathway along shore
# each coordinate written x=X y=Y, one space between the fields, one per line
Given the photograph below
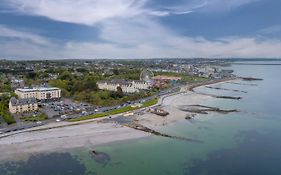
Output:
x=64 y=135
x=67 y=124
x=62 y=125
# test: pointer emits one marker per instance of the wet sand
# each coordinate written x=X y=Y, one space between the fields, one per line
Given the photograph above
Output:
x=172 y=104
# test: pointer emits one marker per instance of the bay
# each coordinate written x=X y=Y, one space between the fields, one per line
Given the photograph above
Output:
x=247 y=142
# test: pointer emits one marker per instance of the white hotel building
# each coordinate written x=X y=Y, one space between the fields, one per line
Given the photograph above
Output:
x=41 y=93
x=133 y=86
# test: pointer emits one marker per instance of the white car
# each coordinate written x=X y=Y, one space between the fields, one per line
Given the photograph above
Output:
x=58 y=120
x=39 y=123
x=96 y=110
x=63 y=116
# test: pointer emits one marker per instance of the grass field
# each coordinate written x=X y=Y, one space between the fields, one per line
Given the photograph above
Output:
x=40 y=117
x=116 y=111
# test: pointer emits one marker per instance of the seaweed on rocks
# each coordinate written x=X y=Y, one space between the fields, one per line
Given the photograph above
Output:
x=151 y=131
x=100 y=157
x=201 y=109
x=251 y=79
x=224 y=89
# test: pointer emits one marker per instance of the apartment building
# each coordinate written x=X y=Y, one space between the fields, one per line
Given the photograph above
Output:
x=22 y=105
x=41 y=93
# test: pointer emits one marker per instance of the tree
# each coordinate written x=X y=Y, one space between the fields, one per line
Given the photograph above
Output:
x=31 y=75
x=115 y=71
x=4 y=101
x=66 y=75
x=119 y=92
x=103 y=95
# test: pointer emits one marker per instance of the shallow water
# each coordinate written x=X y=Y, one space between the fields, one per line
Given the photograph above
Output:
x=247 y=142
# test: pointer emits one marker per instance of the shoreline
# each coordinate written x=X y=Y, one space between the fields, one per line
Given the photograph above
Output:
x=57 y=137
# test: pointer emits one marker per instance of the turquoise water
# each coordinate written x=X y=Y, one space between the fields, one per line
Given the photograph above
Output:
x=247 y=142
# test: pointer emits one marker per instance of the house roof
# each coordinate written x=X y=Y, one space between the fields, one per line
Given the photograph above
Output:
x=24 y=101
x=38 y=89
x=121 y=81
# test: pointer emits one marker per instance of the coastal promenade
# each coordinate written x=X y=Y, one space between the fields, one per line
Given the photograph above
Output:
x=89 y=133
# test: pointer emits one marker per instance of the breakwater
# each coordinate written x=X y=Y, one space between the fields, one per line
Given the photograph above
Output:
x=224 y=89
x=201 y=109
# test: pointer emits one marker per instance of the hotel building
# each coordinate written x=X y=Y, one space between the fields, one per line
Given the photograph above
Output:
x=41 y=93
x=133 y=86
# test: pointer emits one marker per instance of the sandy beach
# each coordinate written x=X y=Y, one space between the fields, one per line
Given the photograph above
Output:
x=58 y=139
x=172 y=104
x=61 y=136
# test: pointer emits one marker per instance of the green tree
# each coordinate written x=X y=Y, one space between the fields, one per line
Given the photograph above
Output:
x=119 y=92
x=4 y=101
x=66 y=75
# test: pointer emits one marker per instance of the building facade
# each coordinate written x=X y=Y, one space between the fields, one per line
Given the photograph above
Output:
x=161 y=81
x=133 y=86
x=22 y=105
x=166 y=78
x=41 y=93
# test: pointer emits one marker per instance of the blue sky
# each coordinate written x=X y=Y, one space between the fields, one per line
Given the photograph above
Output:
x=53 y=29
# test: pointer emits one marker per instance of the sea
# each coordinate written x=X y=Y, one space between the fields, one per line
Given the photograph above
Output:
x=247 y=142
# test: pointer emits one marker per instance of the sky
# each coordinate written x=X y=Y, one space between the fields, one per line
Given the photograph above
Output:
x=91 y=29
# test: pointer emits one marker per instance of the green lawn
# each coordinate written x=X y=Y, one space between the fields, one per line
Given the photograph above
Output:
x=150 y=102
x=40 y=117
x=116 y=111
x=9 y=119
x=185 y=78
x=192 y=79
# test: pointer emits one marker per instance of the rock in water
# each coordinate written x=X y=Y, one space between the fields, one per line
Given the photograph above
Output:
x=100 y=157
x=188 y=117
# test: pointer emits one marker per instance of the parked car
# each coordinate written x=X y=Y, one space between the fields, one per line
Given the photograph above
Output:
x=39 y=123
x=63 y=116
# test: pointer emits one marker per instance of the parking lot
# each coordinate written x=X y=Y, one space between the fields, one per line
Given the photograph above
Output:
x=64 y=107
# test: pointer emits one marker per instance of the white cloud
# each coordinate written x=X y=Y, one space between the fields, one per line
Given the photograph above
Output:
x=224 y=5
x=270 y=30
x=170 y=46
x=14 y=34
x=88 y=12
x=207 y=6
x=128 y=31
x=91 y=12
x=134 y=32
